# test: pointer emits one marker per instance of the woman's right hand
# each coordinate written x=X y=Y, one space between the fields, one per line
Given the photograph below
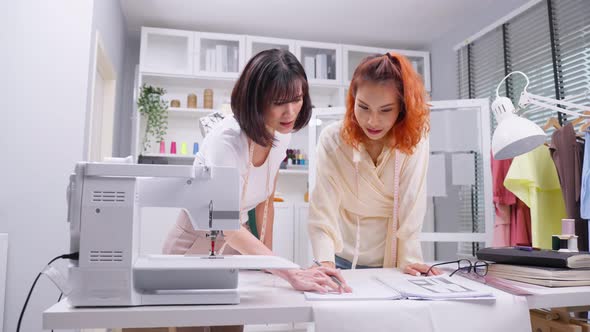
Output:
x=317 y=279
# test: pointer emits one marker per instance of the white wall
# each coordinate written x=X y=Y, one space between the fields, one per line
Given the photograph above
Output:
x=127 y=106
x=3 y=269
x=443 y=58
x=45 y=47
x=109 y=21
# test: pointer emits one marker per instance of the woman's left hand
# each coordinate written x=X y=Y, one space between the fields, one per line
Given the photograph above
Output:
x=417 y=269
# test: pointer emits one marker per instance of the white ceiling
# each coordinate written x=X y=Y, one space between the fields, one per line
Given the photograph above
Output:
x=399 y=23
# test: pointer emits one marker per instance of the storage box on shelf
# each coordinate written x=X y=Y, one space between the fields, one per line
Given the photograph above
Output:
x=321 y=61
x=219 y=55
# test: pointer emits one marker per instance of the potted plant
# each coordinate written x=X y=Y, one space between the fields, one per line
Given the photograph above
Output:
x=151 y=105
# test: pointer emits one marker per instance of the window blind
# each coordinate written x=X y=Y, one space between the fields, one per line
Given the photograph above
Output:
x=463 y=73
x=571 y=19
x=530 y=52
x=487 y=64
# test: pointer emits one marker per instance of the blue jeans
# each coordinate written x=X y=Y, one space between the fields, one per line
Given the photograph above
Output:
x=344 y=264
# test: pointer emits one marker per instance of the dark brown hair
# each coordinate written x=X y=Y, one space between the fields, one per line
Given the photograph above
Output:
x=412 y=123
x=271 y=76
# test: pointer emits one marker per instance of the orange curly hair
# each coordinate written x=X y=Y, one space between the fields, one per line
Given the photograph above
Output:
x=413 y=121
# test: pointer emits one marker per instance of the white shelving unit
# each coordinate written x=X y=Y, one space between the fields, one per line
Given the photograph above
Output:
x=421 y=62
x=352 y=55
x=169 y=155
x=188 y=112
x=219 y=55
x=321 y=61
x=180 y=62
x=188 y=81
x=283 y=236
x=166 y=51
x=294 y=171
x=257 y=44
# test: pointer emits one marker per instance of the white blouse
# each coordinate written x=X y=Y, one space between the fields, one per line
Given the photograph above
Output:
x=227 y=145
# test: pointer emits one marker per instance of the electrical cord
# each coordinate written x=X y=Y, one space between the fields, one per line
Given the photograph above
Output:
x=73 y=256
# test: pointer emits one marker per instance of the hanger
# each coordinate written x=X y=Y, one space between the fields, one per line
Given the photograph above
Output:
x=552 y=121
x=576 y=121
x=586 y=125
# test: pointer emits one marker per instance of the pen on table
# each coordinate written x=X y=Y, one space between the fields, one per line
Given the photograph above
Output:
x=526 y=248
x=332 y=277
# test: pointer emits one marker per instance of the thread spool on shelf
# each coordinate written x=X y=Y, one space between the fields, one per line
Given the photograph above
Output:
x=568 y=226
x=568 y=240
x=191 y=101
x=208 y=99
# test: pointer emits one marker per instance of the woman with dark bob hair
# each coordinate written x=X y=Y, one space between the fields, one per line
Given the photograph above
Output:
x=269 y=101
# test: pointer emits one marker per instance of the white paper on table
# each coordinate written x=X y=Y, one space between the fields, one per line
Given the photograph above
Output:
x=463 y=165
x=437 y=288
x=436 y=183
x=365 y=291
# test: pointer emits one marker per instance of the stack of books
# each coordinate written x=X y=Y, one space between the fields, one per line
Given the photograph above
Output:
x=540 y=267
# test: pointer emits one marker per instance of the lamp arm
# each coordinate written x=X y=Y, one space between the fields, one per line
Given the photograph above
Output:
x=529 y=98
x=514 y=72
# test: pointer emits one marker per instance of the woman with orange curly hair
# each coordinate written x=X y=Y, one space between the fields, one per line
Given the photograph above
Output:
x=369 y=201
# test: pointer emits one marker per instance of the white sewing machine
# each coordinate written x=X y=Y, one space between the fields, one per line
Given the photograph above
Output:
x=104 y=211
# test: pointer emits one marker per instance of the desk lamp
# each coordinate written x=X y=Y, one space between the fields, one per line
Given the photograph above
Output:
x=516 y=135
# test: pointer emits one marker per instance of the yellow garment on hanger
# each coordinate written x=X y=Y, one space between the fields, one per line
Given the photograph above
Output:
x=533 y=178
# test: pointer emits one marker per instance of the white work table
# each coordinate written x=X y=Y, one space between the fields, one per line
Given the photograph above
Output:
x=265 y=299
x=546 y=297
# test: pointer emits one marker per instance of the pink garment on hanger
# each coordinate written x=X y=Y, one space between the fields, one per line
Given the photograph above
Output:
x=520 y=224
x=502 y=225
x=512 y=224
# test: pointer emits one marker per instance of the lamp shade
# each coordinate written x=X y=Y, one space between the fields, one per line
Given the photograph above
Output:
x=514 y=135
